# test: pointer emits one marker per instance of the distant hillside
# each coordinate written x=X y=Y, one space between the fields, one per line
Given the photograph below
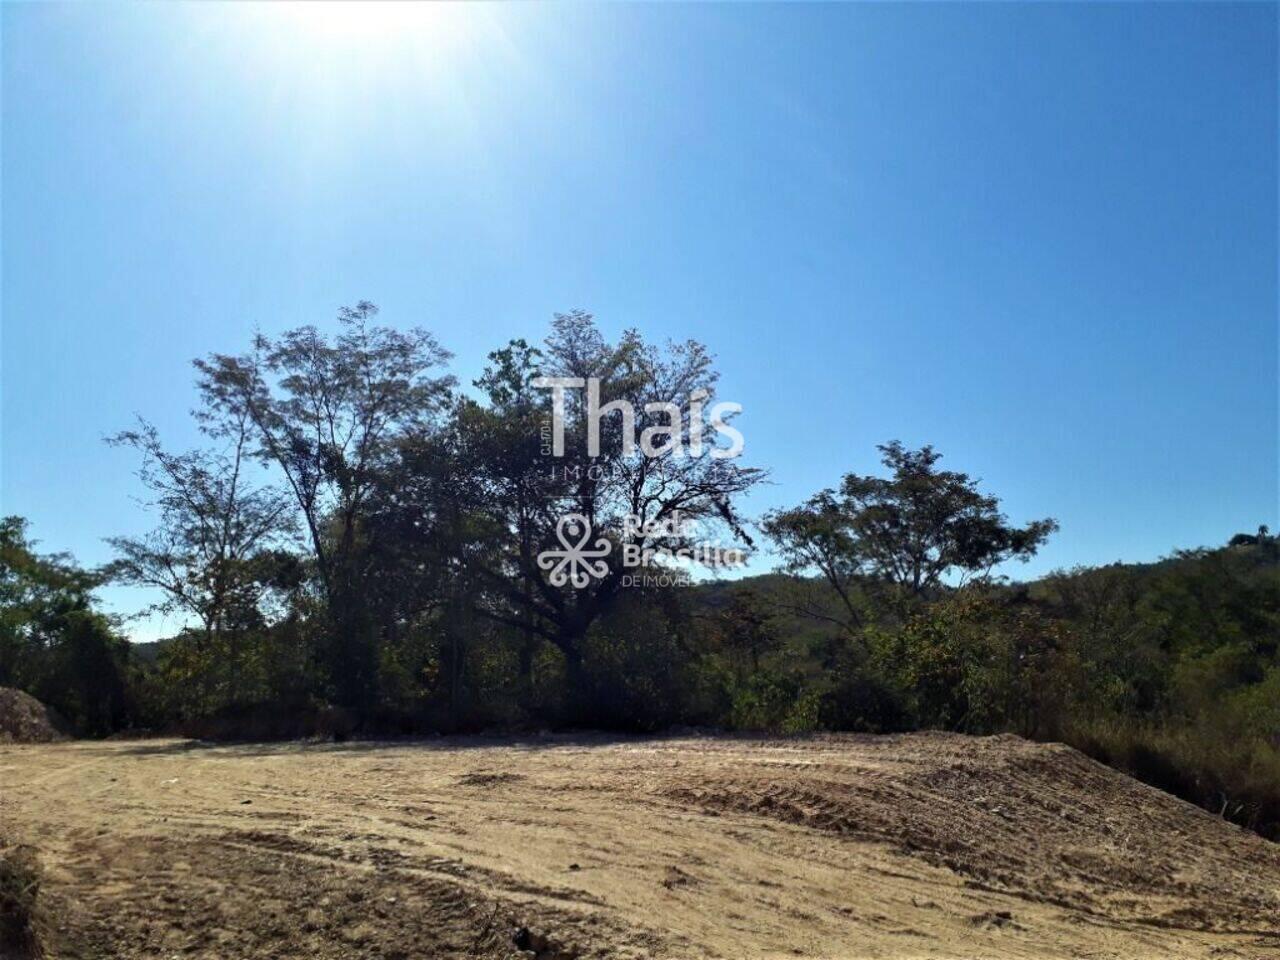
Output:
x=149 y=651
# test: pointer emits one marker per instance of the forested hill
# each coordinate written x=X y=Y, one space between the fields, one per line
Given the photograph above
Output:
x=357 y=546
x=1168 y=670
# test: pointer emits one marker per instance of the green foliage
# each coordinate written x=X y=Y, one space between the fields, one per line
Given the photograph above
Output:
x=638 y=673
x=52 y=643
x=1234 y=776
x=900 y=537
x=1175 y=671
x=976 y=663
x=327 y=416
x=357 y=551
x=776 y=703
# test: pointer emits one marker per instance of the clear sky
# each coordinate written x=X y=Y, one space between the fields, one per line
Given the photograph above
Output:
x=1040 y=237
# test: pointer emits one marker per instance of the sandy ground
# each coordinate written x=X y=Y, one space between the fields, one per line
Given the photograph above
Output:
x=927 y=845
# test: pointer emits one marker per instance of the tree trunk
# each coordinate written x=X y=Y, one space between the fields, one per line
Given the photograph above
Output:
x=577 y=690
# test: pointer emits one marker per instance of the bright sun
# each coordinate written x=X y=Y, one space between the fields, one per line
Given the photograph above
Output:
x=324 y=70
x=352 y=21
x=347 y=28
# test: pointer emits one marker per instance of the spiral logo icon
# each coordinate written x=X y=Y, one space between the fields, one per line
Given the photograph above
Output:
x=576 y=563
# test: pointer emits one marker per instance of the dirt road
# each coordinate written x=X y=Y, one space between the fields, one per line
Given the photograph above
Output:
x=917 y=846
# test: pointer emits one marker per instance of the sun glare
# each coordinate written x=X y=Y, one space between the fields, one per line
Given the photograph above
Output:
x=375 y=21
x=347 y=29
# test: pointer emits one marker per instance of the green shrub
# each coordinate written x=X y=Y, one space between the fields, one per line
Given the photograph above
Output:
x=774 y=702
x=974 y=663
x=1237 y=778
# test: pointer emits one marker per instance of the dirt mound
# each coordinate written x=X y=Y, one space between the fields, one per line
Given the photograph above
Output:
x=24 y=719
x=1040 y=821
x=833 y=847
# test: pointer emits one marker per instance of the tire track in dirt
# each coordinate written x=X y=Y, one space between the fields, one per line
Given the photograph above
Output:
x=829 y=847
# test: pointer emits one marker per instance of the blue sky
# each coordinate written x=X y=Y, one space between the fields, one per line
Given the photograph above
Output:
x=1040 y=237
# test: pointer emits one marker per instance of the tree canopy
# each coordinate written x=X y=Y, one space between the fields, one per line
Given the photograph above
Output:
x=360 y=545
x=908 y=531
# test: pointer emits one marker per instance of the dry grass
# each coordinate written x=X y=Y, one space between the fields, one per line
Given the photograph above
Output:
x=21 y=922
x=1236 y=777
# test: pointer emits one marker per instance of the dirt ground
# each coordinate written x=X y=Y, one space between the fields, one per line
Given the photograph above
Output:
x=927 y=845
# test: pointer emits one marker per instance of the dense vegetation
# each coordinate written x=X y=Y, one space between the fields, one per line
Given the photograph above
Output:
x=356 y=550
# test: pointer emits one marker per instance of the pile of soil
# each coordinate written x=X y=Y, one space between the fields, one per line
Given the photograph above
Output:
x=1039 y=821
x=24 y=719
x=594 y=848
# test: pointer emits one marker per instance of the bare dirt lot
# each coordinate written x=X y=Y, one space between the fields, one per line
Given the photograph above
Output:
x=927 y=845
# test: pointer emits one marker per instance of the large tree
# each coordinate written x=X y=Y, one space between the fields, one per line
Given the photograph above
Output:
x=519 y=499
x=904 y=534
x=329 y=414
x=214 y=553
